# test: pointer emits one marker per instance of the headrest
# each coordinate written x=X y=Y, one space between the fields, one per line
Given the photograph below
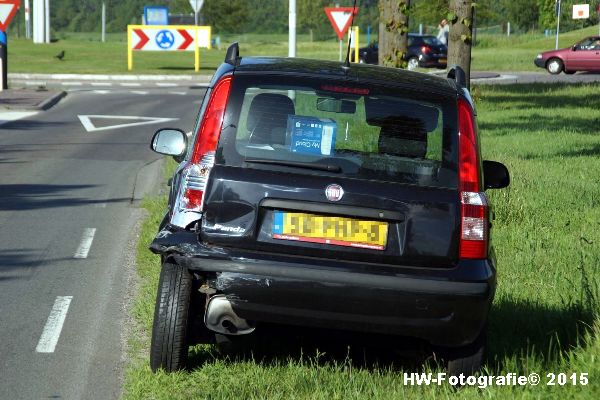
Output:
x=269 y=109
x=380 y=111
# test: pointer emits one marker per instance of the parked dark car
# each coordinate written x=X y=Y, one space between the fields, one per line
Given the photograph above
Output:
x=326 y=195
x=582 y=56
x=423 y=51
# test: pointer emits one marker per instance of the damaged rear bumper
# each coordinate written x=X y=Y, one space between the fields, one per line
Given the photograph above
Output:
x=446 y=307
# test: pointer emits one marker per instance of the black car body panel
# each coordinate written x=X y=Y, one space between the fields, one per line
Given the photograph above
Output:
x=416 y=286
x=445 y=306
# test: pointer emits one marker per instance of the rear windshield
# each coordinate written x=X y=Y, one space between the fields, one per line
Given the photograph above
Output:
x=418 y=41
x=357 y=131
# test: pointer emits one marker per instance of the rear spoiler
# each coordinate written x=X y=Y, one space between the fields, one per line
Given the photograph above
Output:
x=232 y=56
x=457 y=74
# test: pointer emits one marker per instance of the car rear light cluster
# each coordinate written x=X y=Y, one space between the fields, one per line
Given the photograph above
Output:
x=195 y=176
x=425 y=49
x=474 y=207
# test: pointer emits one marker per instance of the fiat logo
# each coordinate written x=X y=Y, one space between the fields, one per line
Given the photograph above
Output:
x=334 y=192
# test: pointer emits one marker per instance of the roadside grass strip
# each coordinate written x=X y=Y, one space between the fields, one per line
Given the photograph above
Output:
x=85 y=56
x=545 y=315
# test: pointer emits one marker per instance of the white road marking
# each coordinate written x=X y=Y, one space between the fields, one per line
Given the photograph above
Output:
x=101 y=91
x=8 y=116
x=179 y=93
x=165 y=84
x=54 y=324
x=86 y=243
x=101 y=84
x=90 y=127
x=35 y=83
x=100 y=205
x=139 y=92
x=72 y=84
x=130 y=84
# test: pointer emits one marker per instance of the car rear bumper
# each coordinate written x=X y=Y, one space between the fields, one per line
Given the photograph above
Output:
x=446 y=307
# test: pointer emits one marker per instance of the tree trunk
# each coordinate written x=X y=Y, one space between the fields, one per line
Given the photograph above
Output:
x=460 y=36
x=393 y=32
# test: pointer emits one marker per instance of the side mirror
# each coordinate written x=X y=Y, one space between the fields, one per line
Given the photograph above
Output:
x=171 y=142
x=495 y=175
x=574 y=48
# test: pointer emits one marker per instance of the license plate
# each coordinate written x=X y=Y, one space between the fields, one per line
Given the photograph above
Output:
x=337 y=231
x=442 y=61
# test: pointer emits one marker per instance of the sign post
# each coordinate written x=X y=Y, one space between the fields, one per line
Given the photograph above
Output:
x=196 y=6
x=8 y=9
x=341 y=19
x=557 y=22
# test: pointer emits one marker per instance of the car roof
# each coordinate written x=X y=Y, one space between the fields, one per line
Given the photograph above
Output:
x=357 y=73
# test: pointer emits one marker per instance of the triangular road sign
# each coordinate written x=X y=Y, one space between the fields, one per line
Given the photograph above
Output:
x=86 y=121
x=340 y=18
x=8 y=9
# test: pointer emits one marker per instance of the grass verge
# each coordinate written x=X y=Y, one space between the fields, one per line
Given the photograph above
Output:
x=86 y=56
x=545 y=315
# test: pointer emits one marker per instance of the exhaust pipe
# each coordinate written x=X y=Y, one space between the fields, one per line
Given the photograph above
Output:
x=221 y=318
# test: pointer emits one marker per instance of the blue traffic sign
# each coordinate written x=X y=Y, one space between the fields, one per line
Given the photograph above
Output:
x=156 y=15
x=165 y=39
x=3 y=38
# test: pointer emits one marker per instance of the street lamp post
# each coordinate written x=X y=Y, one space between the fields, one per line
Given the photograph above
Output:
x=557 y=21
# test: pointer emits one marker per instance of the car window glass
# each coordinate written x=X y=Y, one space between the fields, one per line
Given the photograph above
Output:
x=373 y=136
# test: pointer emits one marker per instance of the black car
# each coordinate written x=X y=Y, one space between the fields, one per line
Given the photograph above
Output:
x=423 y=51
x=320 y=194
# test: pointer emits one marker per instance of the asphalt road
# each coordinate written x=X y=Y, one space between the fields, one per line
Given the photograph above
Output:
x=69 y=184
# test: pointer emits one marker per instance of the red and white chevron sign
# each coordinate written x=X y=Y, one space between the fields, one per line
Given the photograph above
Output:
x=163 y=38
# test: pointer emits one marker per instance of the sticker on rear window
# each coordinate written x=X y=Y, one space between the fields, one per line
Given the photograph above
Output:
x=311 y=135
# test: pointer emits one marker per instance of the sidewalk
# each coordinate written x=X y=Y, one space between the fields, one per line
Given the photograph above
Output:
x=29 y=99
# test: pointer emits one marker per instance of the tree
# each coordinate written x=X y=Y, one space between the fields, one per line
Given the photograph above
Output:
x=460 y=18
x=393 y=32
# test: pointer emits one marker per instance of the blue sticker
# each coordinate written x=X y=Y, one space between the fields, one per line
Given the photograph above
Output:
x=311 y=135
x=165 y=39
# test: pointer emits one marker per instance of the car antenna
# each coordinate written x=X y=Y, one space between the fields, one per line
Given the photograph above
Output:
x=233 y=54
x=346 y=66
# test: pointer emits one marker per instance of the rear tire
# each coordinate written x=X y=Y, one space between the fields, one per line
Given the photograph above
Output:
x=169 y=345
x=413 y=63
x=466 y=360
x=555 y=66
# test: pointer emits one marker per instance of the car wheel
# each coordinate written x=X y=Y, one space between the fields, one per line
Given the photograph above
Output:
x=554 y=66
x=466 y=360
x=413 y=63
x=169 y=345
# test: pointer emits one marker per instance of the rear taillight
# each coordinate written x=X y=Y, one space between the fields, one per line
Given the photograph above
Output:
x=474 y=208
x=195 y=175
x=425 y=49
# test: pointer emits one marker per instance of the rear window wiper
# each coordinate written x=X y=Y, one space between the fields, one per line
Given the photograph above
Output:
x=296 y=164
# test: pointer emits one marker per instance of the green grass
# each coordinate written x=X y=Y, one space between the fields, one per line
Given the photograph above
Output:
x=545 y=314
x=85 y=54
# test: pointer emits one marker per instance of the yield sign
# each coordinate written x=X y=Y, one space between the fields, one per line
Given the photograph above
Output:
x=86 y=121
x=8 y=9
x=196 y=5
x=340 y=18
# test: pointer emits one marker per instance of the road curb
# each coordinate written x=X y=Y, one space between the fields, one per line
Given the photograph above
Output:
x=51 y=101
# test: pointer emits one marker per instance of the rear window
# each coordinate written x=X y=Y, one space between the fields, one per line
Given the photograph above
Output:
x=340 y=129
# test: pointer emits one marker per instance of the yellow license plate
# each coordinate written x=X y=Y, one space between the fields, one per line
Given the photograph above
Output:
x=442 y=61
x=337 y=231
